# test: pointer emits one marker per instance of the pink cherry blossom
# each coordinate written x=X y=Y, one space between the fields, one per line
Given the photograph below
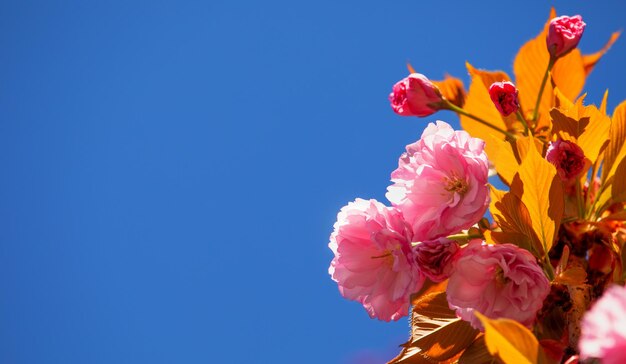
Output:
x=435 y=258
x=564 y=33
x=415 y=95
x=374 y=262
x=440 y=184
x=567 y=157
x=499 y=281
x=603 y=333
x=504 y=97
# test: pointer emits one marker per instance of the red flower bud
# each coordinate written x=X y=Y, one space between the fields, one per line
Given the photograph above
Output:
x=564 y=33
x=435 y=258
x=567 y=157
x=504 y=96
x=415 y=95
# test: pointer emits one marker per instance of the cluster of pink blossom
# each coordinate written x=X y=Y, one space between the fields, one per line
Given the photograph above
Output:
x=384 y=254
x=440 y=188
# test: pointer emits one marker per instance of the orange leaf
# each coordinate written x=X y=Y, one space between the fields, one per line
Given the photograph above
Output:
x=514 y=219
x=568 y=74
x=617 y=138
x=410 y=68
x=529 y=67
x=531 y=62
x=595 y=136
x=512 y=342
x=590 y=60
x=618 y=188
x=573 y=276
x=452 y=89
x=477 y=353
x=437 y=333
x=479 y=103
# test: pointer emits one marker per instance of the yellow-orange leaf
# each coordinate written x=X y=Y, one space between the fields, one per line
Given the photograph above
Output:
x=522 y=145
x=503 y=159
x=617 y=138
x=590 y=60
x=586 y=125
x=511 y=341
x=542 y=195
x=561 y=101
x=566 y=127
x=596 y=134
x=604 y=102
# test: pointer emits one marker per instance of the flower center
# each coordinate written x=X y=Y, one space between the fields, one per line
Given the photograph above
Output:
x=501 y=280
x=387 y=255
x=456 y=185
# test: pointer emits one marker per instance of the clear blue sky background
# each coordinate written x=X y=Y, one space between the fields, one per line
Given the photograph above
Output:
x=171 y=170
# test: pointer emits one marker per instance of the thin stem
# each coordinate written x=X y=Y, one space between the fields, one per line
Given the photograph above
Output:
x=543 y=85
x=462 y=236
x=580 y=199
x=520 y=117
x=451 y=106
x=591 y=188
x=548 y=265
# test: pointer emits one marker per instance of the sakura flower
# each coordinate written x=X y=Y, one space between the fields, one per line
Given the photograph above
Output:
x=504 y=97
x=603 y=333
x=435 y=258
x=415 y=95
x=564 y=33
x=440 y=184
x=374 y=263
x=499 y=281
x=567 y=157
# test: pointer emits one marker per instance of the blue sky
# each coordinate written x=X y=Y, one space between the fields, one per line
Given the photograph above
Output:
x=171 y=170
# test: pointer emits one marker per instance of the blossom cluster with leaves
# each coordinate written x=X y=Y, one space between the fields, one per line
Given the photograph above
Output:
x=542 y=279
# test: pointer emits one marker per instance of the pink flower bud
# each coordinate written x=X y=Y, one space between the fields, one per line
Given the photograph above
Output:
x=564 y=33
x=415 y=95
x=435 y=258
x=504 y=96
x=567 y=157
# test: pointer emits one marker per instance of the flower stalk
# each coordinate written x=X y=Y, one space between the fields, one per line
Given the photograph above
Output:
x=450 y=106
x=541 y=88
